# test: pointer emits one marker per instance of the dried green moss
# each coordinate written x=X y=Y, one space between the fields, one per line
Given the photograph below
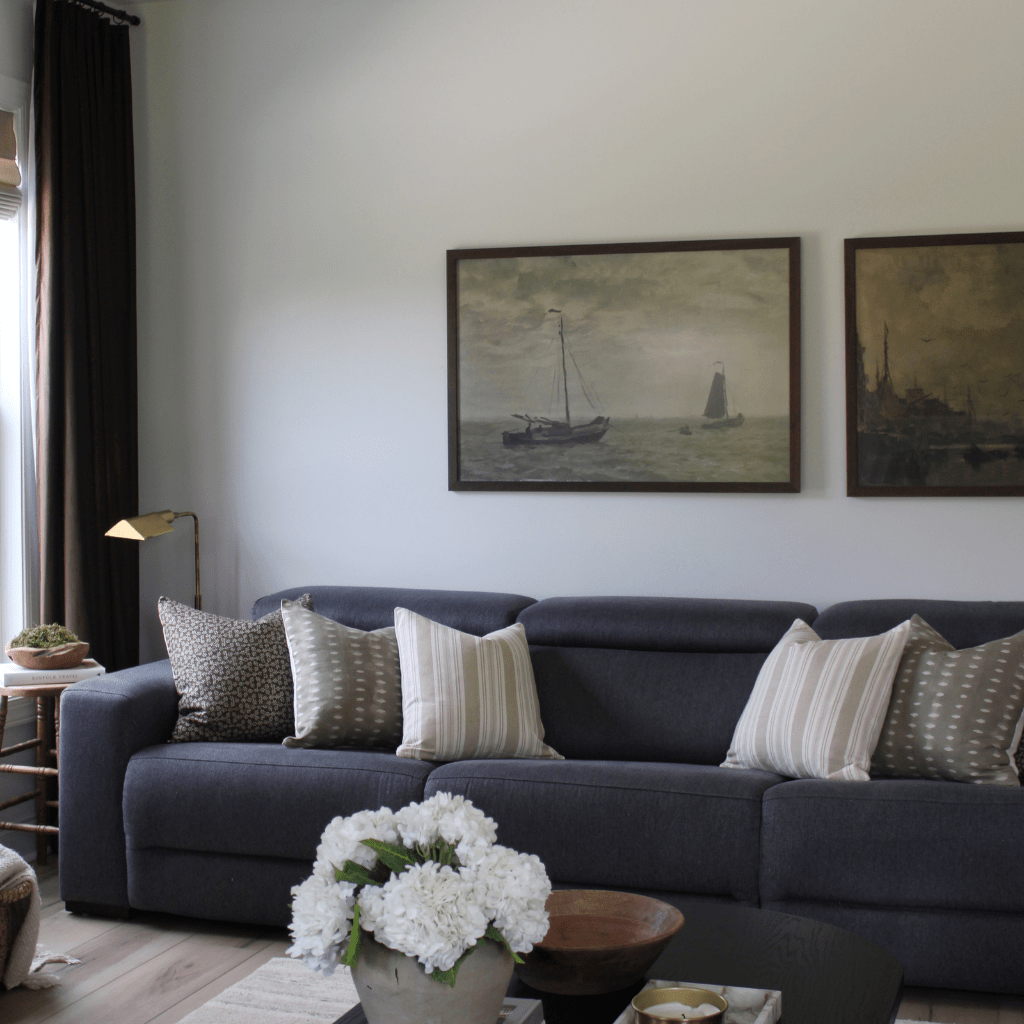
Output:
x=52 y=635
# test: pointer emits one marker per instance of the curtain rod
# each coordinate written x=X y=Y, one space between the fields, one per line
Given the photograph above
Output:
x=122 y=15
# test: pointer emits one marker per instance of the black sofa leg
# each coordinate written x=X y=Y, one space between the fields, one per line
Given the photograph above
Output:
x=98 y=909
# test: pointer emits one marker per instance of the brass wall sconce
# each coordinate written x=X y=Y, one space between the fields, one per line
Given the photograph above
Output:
x=152 y=525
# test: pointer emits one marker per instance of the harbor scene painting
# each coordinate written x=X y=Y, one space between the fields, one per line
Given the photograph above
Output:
x=935 y=365
x=654 y=366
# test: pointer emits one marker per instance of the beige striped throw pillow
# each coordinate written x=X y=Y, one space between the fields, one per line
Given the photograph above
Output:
x=466 y=696
x=817 y=708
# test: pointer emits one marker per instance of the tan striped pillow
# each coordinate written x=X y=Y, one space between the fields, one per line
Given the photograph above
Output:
x=466 y=696
x=817 y=708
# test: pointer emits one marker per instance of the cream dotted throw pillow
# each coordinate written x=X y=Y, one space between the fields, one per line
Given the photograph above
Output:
x=348 y=689
x=954 y=715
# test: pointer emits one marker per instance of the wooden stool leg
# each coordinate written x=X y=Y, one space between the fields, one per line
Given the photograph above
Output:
x=42 y=756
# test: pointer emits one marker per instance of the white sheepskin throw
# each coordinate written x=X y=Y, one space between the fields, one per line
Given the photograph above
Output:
x=25 y=958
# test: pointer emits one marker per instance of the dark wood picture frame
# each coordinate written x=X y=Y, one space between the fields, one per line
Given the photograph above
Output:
x=672 y=320
x=934 y=332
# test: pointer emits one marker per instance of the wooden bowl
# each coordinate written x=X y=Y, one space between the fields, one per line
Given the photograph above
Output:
x=65 y=656
x=598 y=941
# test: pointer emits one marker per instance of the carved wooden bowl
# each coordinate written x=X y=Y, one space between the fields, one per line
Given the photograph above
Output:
x=65 y=656
x=598 y=941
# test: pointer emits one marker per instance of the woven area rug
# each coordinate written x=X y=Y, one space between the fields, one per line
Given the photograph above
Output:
x=282 y=991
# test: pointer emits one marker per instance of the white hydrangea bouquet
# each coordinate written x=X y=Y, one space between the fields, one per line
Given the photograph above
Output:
x=428 y=881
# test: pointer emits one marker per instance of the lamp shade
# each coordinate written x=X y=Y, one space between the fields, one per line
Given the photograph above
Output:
x=143 y=527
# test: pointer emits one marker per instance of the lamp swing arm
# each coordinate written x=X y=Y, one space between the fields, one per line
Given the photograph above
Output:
x=195 y=523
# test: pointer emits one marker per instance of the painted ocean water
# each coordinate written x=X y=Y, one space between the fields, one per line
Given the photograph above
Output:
x=636 y=450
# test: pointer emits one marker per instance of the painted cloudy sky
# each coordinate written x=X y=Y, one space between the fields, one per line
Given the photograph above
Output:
x=644 y=329
x=956 y=318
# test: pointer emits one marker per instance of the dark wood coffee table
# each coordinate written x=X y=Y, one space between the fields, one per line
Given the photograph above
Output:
x=826 y=975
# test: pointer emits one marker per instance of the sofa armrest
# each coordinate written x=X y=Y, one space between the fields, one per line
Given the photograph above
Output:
x=103 y=722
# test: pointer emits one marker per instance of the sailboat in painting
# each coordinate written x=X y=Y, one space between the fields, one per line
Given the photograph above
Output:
x=540 y=430
x=717 y=409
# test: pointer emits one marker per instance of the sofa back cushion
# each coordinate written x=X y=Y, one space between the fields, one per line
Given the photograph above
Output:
x=962 y=623
x=369 y=608
x=649 y=679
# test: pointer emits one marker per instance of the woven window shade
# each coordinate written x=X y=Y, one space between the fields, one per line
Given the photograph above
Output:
x=10 y=176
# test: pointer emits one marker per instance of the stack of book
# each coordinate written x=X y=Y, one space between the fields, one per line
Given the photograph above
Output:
x=15 y=675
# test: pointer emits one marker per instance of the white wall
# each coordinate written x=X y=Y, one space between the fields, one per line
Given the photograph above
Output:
x=302 y=169
x=16 y=39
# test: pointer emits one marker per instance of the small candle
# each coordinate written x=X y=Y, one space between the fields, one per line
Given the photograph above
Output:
x=681 y=1011
x=667 y=1010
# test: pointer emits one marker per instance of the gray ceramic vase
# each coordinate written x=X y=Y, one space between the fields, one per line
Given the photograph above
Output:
x=394 y=989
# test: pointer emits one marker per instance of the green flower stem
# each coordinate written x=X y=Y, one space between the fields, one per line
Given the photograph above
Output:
x=496 y=936
x=352 y=953
x=448 y=977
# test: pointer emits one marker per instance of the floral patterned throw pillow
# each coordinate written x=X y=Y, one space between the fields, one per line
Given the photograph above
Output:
x=234 y=678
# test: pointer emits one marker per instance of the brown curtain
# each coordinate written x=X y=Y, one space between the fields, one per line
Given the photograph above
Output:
x=87 y=466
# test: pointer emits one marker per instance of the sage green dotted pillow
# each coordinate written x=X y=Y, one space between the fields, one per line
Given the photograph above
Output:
x=955 y=715
x=348 y=684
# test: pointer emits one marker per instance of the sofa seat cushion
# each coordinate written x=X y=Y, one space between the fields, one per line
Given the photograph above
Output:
x=894 y=843
x=959 y=949
x=636 y=825
x=216 y=886
x=256 y=799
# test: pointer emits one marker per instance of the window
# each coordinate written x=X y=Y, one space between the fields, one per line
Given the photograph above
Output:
x=17 y=461
x=15 y=324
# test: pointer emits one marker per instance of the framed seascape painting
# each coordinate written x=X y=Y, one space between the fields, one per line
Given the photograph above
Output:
x=661 y=366
x=935 y=365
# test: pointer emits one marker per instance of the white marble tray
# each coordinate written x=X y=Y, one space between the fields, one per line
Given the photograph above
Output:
x=746 y=1005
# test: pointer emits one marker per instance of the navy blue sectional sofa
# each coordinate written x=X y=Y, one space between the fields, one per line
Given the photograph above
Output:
x=641 y=696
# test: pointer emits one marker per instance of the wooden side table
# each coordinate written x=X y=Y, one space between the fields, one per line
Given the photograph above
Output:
x=46 y=745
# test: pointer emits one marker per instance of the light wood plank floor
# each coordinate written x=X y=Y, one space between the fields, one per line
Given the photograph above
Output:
x=153 y=969
x=156 y=969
